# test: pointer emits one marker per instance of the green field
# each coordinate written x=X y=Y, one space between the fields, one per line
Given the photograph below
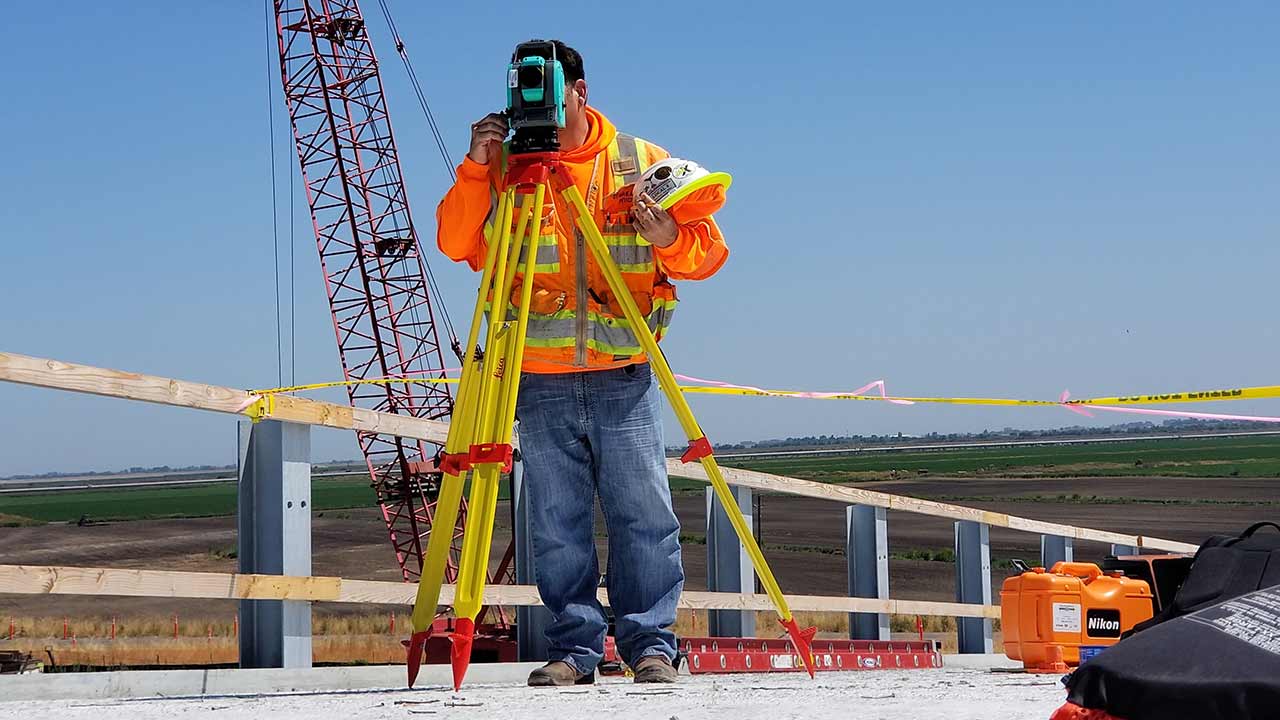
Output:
x=167 y=502
x=1208 y=457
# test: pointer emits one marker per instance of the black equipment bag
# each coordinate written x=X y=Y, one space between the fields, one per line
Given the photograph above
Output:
x=1213 y=654
x=1225 y=566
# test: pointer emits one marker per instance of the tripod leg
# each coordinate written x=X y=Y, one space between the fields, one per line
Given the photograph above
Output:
x=461 y=434
x=699 y=448
x=491 y=455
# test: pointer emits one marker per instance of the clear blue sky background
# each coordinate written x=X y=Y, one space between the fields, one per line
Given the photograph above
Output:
x=976 y=198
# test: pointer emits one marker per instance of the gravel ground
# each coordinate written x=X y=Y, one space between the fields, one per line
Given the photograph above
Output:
x=948 y=694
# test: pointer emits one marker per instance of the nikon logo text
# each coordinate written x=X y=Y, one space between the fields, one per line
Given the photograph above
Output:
x=1103 y=623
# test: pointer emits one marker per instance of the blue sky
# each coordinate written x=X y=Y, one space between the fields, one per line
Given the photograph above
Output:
x=979 y=199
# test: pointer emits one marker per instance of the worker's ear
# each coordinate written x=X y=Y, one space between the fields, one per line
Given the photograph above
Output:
x=580 y=87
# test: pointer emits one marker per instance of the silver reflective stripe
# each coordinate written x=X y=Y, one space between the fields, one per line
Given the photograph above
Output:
x=631 y=255
x=550 y=327
x=614 y=335
x=605 y=333
x=547 y=259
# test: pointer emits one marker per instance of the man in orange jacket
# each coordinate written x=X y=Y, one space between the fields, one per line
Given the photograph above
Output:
x=588 y=406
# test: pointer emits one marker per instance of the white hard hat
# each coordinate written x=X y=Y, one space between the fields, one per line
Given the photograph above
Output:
x=670 y=181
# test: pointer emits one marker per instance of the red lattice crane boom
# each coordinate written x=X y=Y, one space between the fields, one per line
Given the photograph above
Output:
x=374 y=273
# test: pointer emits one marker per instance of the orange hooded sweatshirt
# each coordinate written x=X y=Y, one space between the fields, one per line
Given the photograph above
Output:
x=697 y=253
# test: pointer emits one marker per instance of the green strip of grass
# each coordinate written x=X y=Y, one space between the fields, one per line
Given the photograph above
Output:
x=167 y=502
x=1208 y=457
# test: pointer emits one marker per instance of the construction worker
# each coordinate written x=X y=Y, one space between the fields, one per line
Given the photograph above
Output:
x=589 y=408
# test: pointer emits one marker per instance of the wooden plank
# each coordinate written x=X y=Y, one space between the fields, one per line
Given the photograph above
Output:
x=861 y=496
x=57 y=375
x=115 y=383
x=41 y=580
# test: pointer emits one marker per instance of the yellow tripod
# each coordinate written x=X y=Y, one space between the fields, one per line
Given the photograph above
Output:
x=479 y=438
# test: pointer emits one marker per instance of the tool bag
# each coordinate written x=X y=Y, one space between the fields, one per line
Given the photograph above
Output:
x=1225 y=566
x=1213 y=654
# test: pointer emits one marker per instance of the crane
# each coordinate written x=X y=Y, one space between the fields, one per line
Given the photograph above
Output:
x=376 y=279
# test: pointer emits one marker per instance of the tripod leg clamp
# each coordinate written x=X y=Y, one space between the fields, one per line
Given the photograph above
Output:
x=491 y=453
x=455 y=463
x=698 y=449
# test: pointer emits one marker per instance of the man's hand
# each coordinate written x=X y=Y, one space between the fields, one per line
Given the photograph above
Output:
x=489 y=131
x=652 y=222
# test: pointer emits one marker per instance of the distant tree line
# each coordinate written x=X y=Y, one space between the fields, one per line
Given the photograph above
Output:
x=1176 y=425
x=1172 y=426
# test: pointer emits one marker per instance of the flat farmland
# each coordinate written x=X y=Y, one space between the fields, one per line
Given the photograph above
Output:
x=1202 y=488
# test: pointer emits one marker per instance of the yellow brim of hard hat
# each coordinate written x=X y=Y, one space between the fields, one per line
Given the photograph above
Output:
x=724 y=180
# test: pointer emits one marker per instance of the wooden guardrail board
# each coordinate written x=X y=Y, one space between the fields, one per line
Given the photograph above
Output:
x=73 y=377
x=52 y=580
x=860 y=496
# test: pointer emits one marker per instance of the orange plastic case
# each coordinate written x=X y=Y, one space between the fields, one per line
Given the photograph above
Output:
x=1071 y=605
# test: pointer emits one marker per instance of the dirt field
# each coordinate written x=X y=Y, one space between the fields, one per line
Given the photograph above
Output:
x=803 y=538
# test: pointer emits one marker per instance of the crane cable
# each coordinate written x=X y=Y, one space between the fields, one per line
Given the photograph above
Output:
x=417 y=89
x=275 y=215
x=440 y=145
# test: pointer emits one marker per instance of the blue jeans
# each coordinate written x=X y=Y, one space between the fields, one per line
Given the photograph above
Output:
x=601 y=432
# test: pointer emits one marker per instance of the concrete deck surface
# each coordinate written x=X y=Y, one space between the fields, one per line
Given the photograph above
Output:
x=954 y=693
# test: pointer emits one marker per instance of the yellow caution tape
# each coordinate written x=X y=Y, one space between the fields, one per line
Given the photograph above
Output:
x=1244 y=393
x=344 y=383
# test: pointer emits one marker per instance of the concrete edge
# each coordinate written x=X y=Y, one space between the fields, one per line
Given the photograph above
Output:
x=201 y=683
x=144 y=684
x=990 y=661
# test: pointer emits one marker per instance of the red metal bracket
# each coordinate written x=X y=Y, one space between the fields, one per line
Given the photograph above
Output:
x=455 y=463
x=491 y=453
x=698 y=449
x=531 y=169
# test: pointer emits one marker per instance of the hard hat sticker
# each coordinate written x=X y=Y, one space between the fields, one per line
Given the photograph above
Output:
x=661 y=190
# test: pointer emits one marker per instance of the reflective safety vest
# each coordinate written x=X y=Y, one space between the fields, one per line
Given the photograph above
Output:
x=575 y=323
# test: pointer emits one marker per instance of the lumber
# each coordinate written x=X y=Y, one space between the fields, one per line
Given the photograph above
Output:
x=73 y=377
x=54 y=580
x=58 y=375
x=861 y=496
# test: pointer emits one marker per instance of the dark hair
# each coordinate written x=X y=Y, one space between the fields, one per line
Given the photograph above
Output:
x=569 y=58
x=572 y=61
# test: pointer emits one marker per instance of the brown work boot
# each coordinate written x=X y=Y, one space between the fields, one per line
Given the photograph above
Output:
x=558 y=673
x=654 y=669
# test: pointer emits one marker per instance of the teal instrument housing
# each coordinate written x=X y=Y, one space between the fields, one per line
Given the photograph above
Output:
x=535 y=97
x=534 y=77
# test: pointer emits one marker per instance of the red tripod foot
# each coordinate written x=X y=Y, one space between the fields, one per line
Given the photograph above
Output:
x=460 y=654
x=415 y=645
x=803 y=642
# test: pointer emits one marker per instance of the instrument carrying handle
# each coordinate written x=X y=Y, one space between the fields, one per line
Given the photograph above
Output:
x=1087 y=571
x=1258 y=526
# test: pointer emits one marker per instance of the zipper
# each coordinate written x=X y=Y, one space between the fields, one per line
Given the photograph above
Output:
x=580 y=318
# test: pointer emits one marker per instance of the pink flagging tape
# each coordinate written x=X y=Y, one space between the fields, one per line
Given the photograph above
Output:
x=1179 y=414
x=1162 y=413
x=878 y=385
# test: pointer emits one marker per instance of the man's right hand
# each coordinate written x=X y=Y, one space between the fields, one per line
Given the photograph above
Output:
x=487 y=136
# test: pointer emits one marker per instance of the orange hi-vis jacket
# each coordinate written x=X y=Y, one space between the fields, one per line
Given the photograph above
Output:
x=574 y=322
